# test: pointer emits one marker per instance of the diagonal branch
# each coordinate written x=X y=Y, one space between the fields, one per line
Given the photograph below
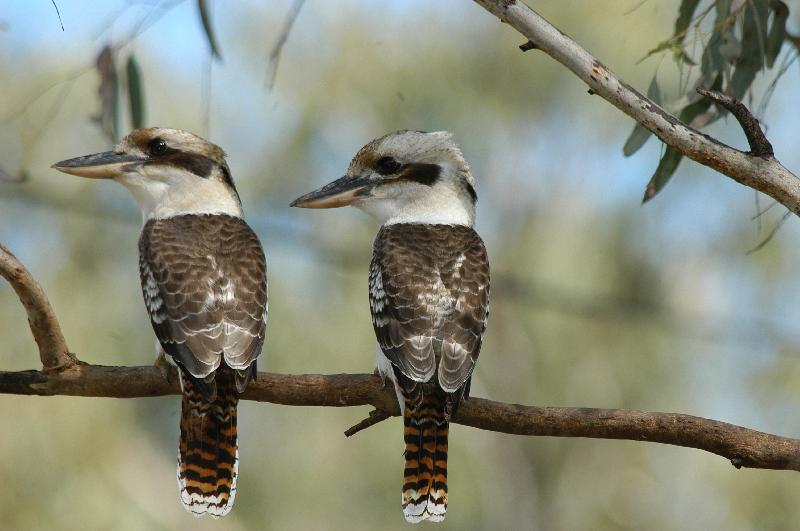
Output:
x=41 y=318
x=742 y=446
x=758 y=170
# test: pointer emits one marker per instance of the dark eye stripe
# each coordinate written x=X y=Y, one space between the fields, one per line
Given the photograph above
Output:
x=197 y=164
x=422 y=173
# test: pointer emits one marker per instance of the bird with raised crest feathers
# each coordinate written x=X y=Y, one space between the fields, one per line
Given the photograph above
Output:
x=204 y=282
x=428 y=291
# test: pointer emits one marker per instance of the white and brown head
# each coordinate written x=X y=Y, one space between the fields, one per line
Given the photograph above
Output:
x=169 y=172
x=404 y=177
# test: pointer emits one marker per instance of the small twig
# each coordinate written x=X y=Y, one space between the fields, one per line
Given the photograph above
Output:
x=530 y=45
x=375 y=416
x=41 y=318
x=59 y=14
x=771 y=234
x=275 y=53
x=759 y=145
x=760 y=213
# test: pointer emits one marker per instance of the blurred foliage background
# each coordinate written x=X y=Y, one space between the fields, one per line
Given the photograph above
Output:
x=596 y=300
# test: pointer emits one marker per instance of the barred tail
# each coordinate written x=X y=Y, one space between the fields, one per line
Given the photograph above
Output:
x=208 y=457
x=425 y=478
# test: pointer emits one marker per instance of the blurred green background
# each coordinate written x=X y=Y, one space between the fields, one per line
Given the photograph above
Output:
x=596 y=300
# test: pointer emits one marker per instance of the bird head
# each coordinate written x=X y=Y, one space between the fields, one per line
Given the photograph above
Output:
x=169 y=172
x=404 y=177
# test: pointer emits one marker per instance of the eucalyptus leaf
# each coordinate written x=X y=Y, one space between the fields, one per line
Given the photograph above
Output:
x=135 y=93
x=711 y=62
x=777 y=32
x=752 y=57
x=665 y=170
x=108 y=119
x=685 y=14
x=640 y=133
x=205 y=18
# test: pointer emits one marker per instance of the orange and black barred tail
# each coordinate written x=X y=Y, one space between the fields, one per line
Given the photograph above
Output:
x=208 y=457
x=425 y=478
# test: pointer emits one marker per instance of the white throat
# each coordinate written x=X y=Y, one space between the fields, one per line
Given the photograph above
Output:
x=388 y=211
x=176 y=192
x=439 y=205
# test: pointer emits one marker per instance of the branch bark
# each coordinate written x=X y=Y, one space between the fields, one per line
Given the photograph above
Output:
x=44 y=325
x=63 y=374
x=757 y=170
x=742 y=446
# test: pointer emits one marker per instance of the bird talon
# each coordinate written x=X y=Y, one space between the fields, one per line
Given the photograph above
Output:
x=162 y=365
x=382 y=376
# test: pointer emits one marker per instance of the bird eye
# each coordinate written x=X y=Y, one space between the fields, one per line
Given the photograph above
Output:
x=158 y=147
x=388 y=166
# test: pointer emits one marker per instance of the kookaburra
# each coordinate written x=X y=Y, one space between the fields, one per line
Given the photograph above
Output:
x=204 y=283
x=428 y=290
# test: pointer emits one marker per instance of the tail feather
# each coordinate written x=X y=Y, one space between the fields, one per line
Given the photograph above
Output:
x=208 y=457
x=425 y=477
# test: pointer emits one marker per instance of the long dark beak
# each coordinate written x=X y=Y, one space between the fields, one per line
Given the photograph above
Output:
x=106 y=165
x=340 y=192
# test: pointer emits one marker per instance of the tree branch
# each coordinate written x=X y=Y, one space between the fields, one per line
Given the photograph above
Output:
x=46 y=331
x=742 y=446
x=759 y=145
x=758 y=170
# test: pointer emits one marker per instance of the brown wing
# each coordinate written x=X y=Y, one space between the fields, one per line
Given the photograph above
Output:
x=205 y=285
x=429 y=296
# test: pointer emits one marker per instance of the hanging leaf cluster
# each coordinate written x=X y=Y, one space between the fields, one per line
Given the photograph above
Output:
x=745 y=38
x=111 y=92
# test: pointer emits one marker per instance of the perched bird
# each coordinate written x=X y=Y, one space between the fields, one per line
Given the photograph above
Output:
x=428 y=290
x=204 y=283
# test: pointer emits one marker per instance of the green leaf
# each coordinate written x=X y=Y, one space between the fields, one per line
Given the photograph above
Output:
x=685 y=13
x=205 y=18
x=108 y=118
x=752 y=57
x=683 y=57
x=666 y=168
x=135 y=93
x=640 y=133
x=711 y=63
x=671 y=159
x=777 y=33
x=693 y=110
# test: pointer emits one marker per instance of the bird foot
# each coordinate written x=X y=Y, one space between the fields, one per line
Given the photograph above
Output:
x=163 y=366
x=376 y=372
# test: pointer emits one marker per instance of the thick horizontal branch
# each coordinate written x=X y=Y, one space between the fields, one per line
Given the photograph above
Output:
x=742 y=446
x=758 y=170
